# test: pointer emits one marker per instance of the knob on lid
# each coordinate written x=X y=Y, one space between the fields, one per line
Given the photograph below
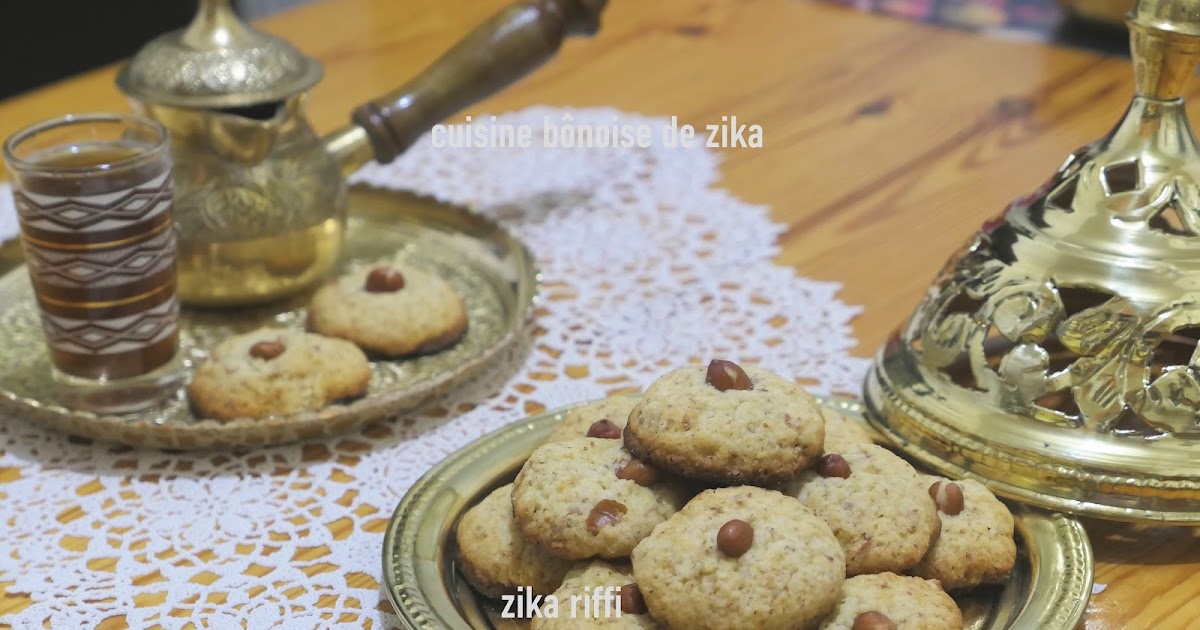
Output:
x=217 y=61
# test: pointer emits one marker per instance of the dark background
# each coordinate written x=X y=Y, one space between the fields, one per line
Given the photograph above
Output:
x=42 y=41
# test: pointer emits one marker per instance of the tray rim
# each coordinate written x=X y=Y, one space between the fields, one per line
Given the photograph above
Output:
x=1062 y=567
x=140 y=431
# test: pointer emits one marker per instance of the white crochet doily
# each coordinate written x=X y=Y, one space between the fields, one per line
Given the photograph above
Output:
x=646 y=266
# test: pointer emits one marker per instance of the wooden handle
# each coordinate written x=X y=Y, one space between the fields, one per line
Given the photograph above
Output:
x=500 y=51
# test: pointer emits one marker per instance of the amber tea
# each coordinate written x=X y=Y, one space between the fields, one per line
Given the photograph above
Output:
x=94 y=200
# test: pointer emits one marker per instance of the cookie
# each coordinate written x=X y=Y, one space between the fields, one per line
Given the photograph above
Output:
x=589 y=497
x=602 y=418
x=869 y=602
x=842 y=432
x=727 y=424
x=494 y=557
x=591 y=596
x=876 y=504
x=391 y=310
x=274 y=371
x=740 y=557
x=976 y=545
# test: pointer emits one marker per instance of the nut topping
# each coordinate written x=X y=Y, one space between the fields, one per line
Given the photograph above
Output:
x=639 y=472
x=384 y=280
x=726 y=375
x=605 y=428
x=873 y=620
x=632 y=602
x=606 y=512
x=948 y=496
x=735 y=537
x=267 y=350
x=833 y=465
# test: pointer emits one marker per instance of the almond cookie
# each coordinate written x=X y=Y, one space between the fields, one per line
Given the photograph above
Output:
x=876 y=504
x=598 y=595
x=494 y=557
x=727 y=424
x=740 y=557
x=589 y=497
x=602 y=418
x=390 y=309
x=887 y=601
x=274 y=371
x=842 y=432
x=976 y=545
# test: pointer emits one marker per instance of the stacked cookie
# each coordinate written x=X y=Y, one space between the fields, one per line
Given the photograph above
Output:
x=389 y=310
x=724 y=497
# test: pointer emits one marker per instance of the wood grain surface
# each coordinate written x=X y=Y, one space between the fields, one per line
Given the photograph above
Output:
x=885 y=145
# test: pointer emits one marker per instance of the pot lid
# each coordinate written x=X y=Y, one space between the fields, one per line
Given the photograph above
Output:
x=217 y=61
x=1057 y=356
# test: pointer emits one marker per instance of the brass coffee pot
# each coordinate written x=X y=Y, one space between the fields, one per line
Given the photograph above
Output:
x=260 y=199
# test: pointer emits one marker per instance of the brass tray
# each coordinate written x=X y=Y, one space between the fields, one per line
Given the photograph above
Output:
x=1049 y=589
x=491 y=269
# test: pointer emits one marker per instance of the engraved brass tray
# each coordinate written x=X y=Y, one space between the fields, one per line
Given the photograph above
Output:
x=1049 y=589
x=487 y=265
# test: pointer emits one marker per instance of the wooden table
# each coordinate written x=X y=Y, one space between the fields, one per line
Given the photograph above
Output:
x=886 y=145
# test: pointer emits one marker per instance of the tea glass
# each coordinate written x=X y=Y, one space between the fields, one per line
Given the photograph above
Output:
x=94 y=199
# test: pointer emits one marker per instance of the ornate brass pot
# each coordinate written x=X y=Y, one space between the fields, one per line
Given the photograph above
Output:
x=1055 y=357
x=260 y=198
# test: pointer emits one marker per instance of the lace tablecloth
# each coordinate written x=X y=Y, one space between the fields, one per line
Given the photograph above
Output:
x=646 y=264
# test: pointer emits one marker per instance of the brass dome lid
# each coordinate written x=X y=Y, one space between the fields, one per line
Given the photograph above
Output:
x=217 y=62
x=1055 y=357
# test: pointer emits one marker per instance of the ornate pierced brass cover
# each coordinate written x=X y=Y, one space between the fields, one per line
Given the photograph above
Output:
x=217 y=61
x=1056 y=357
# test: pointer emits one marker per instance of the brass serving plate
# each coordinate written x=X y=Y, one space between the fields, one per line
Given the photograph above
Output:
x=490 y=268
x=1049 y=589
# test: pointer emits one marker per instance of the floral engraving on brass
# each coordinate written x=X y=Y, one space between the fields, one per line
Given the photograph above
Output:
x=1055 y=356
x=1067 y=346
x=1070 y=356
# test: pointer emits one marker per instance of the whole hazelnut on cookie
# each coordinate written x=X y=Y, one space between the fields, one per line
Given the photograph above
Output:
x=267 y=350
x=976 y=544
x=384 y=280
x=726 y=375
x=948 y=496
x=735 y=537
x=876 y=503
x=390 y=310
x=590 y=498
x=598 y=594
x=275 y=372
x=740 y=557
x=604 y=418
x=727 y=424
x=888 y=601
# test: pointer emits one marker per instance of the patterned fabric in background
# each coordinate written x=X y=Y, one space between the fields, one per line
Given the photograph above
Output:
x=1038 y=20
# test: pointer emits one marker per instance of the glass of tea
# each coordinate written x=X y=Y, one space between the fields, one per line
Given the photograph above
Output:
x=94 y=200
